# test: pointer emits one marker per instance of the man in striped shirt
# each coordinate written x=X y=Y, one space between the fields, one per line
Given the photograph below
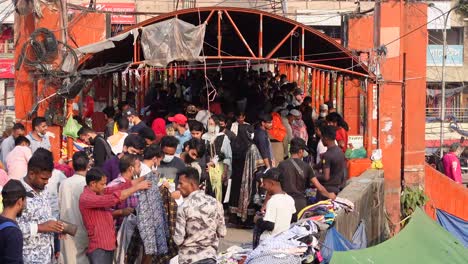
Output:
x=95 y=202
x=130 y=167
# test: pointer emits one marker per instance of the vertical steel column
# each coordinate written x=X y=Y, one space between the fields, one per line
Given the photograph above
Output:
x=322 y=86
x=219 y=33
x=302 y=45
x=339 y=83
x=327 y=87
x=260 y=38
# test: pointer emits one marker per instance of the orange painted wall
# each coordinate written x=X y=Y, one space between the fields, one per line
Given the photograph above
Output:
x=93 y=24
x=361 y=33
x=445 y=194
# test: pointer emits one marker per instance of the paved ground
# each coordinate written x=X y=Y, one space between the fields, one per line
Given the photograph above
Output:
x=235 y=237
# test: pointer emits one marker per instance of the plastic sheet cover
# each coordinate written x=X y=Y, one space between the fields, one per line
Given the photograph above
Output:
x=421 y=241
x=456 y=226
x=334 y=241
x=172 y=40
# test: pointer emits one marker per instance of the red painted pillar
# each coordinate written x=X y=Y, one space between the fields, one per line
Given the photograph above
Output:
x=415 y=94
x=351 y=105
x=317 y=89
x=390 y=103
x=339 y=94
x=327 y=87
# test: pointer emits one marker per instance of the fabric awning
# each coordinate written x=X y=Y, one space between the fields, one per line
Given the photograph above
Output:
x=421 y=241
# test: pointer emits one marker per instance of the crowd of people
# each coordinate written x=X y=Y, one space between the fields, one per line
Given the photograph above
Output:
x=165 y=181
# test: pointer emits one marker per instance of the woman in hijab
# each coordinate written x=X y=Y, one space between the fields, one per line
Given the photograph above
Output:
x=246 y=161
x=159 y=128
x=298 y=126
x=220 y=156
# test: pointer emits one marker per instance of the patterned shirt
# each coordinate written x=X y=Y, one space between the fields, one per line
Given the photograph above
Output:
x=200 y=224
x=38 y=247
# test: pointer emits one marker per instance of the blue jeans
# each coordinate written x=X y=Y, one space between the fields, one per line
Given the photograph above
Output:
x=101 y=256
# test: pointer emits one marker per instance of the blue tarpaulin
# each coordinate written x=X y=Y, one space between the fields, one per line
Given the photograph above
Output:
x=456 y=226
x=334 y=241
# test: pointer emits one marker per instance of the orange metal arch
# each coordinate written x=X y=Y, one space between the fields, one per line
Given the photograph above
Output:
x=215 y=13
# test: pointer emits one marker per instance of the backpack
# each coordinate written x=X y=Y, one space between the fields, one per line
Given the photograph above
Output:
x=7 y=224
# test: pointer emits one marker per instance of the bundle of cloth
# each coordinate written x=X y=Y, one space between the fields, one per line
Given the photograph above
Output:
x=233 y=255
x=324 y=212
x=294 y=246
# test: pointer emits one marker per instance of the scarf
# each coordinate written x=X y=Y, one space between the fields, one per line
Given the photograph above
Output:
x=159 y=126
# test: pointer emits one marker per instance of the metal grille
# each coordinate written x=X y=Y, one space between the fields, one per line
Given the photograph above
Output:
x=461 y=114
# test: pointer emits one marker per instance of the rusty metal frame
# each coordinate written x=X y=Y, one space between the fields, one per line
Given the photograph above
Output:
x=239 y=34
x=297 y=27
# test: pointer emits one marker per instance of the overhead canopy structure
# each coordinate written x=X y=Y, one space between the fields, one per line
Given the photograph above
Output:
x=238 y=34
x=421 y=241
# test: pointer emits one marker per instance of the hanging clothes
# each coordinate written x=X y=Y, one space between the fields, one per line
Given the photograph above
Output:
x=220 y=153
x=124 y=237
x=151 y=219
x=135 y=250
x=240 y=146
x=253 y=163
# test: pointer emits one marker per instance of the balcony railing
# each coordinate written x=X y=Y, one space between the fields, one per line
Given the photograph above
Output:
x=7 y=47
x=460 y=114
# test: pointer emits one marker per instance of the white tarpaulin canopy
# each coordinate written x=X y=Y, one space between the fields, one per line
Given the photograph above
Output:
x=172 y=40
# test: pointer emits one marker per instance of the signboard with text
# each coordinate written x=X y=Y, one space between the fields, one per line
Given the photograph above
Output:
x=454 y=55
x=118 y=7
x=7 y=68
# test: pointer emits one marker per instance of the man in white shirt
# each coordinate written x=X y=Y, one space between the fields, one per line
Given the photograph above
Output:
x=279 y=208
x=73 y=249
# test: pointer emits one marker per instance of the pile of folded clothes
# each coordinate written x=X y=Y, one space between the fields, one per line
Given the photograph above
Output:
x=296 y=245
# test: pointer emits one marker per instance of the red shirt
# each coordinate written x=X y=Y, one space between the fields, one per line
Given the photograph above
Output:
x=342 y=135
x=97 y=216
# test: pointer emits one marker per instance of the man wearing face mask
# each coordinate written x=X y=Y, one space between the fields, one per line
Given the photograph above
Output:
x=170 y=165
x=130 y=168
x=11 y=239
x=102 y=151
x=133 y=144
x=179 y=122
x=38 y=137
x=152 y=156
x=298 y=97
x=323 y=111
x=298 y=175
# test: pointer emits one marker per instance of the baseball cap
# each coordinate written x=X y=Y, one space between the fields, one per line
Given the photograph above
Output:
x=130 y=112
x=299 y=143
x=272 y=174
x=295 y=112
x=179 y=119
x=14 y=189
x=323 y=107
x=265 y=117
